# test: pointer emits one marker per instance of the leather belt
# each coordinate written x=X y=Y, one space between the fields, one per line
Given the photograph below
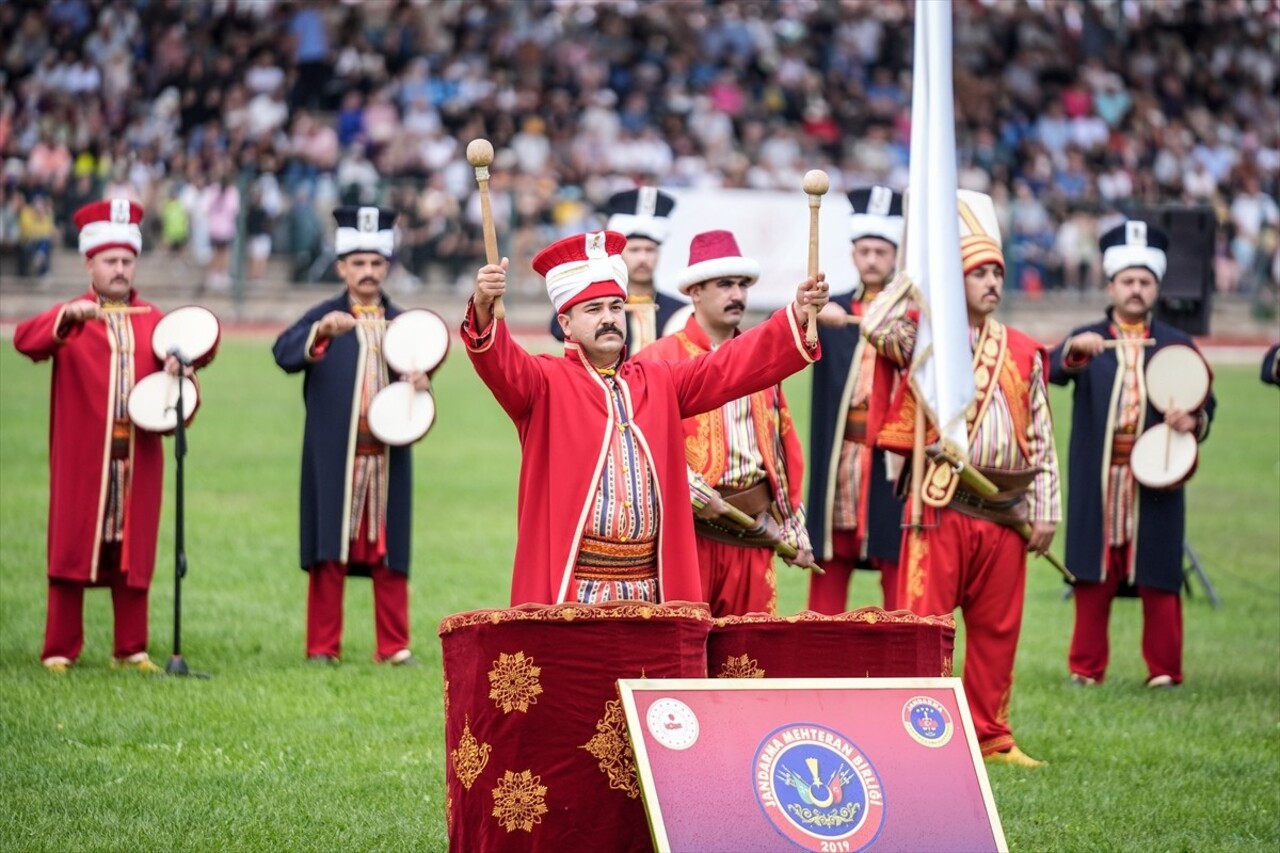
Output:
x=1001 y=509
x=752 y=500
x=978 y=502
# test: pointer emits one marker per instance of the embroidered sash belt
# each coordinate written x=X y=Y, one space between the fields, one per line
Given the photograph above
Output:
x=366 y=443
x=1122 y=447
x=610 y=560
x=855 y=425
x=121 y=430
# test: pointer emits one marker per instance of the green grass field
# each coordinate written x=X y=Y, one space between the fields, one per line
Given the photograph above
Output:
x=272 y=753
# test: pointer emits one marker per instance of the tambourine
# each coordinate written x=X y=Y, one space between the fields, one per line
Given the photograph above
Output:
x=1177 y=378
x=1163 y=458
x=191 y=331
x=416 y=341
x=153 y=402
x=400 y=415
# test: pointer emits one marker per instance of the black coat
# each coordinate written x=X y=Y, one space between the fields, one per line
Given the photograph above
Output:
x=1161 y=522
x=831 y=377
x=328 y=444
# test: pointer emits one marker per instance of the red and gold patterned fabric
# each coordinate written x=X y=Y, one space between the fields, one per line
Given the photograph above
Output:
x=536 y=744
x=864 y=643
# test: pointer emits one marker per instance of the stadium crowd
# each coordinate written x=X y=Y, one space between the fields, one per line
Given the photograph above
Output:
x=240 y=124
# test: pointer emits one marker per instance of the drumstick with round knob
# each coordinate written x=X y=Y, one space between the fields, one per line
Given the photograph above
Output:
x=816 y=185
x=480 y=155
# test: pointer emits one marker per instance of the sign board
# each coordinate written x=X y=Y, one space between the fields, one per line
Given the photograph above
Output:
x=827 y=765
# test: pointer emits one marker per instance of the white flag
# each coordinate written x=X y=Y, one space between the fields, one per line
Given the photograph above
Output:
x=942 y=364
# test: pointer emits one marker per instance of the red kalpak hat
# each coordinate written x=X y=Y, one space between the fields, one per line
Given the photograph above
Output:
x=109 y=224
x=583 y=267
x=712 y=255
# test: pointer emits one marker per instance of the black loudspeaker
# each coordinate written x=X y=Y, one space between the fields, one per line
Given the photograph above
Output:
x=1186 y=293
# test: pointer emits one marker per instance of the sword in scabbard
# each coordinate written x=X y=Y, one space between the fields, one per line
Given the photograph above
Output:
x=983 y=487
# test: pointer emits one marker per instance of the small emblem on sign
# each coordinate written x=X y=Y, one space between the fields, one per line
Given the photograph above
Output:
x=672 y=723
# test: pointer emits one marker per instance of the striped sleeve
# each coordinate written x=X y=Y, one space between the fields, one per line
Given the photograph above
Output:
x=890 y=325
x=1045 y=498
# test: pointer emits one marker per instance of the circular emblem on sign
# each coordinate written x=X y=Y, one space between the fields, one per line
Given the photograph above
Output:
x=927 y=721
x=818 y=789
x=672 y=723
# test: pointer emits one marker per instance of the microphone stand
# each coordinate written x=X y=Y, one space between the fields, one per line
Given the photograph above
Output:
x=177 y=664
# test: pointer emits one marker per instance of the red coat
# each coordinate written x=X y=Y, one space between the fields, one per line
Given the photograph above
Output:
x=81 y=402
x=706 y=444
x=562 y=412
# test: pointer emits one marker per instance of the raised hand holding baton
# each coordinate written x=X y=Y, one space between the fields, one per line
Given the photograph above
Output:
x=816 y=185
x=480 y=155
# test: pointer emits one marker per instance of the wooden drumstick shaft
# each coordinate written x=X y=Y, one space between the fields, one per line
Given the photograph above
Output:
x=1115 y=343
x=480 y=155
x=126 y=309
x=816 y=185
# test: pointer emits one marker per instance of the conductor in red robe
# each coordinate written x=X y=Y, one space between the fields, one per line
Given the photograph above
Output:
x=603 y=507
x=105 y=475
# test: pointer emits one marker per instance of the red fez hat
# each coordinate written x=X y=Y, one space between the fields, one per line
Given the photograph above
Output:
x=109 y=224
x=583 y=267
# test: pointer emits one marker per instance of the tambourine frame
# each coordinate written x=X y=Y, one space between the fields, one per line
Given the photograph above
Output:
x=416 y=340
x=392 y=413
x=160 y=390
x=1177 y=375
x=1159 y=445
x=192 y=329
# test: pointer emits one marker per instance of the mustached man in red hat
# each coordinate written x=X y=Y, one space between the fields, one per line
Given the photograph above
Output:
x=967 y=555
x=105 y=475
x=604 y=492
x=745 y=454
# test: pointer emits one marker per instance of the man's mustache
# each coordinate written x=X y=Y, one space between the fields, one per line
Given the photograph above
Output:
x=735 y=304
x=368 y=280
x=606 y=329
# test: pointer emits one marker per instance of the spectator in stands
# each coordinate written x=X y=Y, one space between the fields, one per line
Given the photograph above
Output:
x=1255 y=218
x=730 y=93
x=309 y=37
x=220 y=207
x=35 y=234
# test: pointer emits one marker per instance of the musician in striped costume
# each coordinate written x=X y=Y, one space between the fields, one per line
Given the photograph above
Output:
x=356 y=496
x=855 y=517
x=603 y=509
x=745 y=453
x=105 y=475
x=1122 y=537
x=965 y=556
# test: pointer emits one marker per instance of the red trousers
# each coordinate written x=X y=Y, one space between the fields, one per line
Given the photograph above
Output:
x=1161 y=624
x=980 y=567
x=324 y=610
x=737 y=580
x=64 y=621
x=829 y=593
